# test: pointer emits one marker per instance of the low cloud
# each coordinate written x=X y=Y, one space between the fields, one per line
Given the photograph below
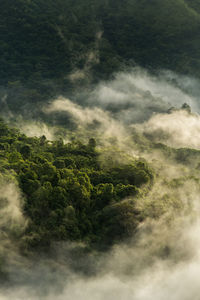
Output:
x=178 y=129
x=91 y=121
x=11 y=206
x=133 y=97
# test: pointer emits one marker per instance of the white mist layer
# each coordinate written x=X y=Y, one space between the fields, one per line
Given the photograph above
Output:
x=161 y=280
x=135 y=96
x=91 y=121
x=112 y=108
x=177 y=129
x=11 y=216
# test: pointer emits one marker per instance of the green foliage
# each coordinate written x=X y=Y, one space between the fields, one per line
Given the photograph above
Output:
x=68 y=193
x=118 y=221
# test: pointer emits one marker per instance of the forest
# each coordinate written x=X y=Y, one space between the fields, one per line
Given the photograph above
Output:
x=68 y=195
x=51 y=47
x=99 y=149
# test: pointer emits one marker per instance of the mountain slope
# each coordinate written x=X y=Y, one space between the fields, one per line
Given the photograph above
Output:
x=49 y=39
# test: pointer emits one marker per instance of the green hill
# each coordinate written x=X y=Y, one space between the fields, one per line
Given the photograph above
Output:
x=48 y=40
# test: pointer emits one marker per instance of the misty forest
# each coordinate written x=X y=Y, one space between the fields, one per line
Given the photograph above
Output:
x=100 y=149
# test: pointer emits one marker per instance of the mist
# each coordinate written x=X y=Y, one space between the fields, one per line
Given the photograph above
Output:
x=133 y=97
x=131 y=113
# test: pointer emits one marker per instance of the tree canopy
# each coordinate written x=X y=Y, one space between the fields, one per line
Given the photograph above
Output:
x=68 y=194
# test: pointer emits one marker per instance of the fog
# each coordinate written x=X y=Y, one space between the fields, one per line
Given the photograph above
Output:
x=162 y=261
x=136 y=95
x=177 y=129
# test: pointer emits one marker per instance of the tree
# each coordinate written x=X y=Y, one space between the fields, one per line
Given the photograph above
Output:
x=25 y=151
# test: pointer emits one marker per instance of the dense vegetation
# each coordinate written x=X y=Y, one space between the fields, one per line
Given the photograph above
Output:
x=51 y=47
x=68 y=194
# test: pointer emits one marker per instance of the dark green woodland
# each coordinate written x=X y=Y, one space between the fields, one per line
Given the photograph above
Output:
x=44 y=42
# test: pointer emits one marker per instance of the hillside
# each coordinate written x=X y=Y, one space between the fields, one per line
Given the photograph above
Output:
x=52 y=47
